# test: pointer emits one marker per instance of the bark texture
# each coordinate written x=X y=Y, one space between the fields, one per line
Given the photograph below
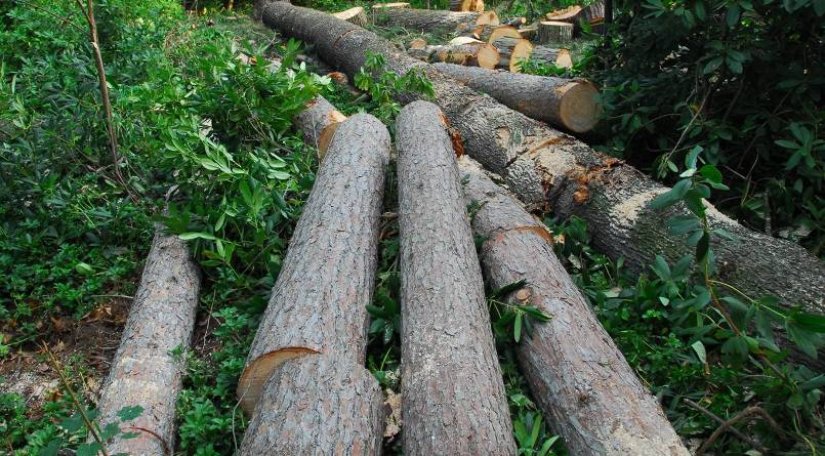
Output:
x=317 y=405
x=578 y=376
x=453 y=398
x=428 y=20
x=143 y=372
x=568 y=104
x=554 y=32
x=318 y=304
x=474 y=54
x=318 y=123
x=354 y=15
x=552 y=56
x=550 y=170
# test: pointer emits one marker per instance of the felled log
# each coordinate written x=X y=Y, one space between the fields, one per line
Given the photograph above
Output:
x=474 y=54
x=554 y=32
x=318 y=123
x=569 y=104
x=569 y=14
x=430 y=21
x=529 y=32
x=354 y=15
x=499 y=32
x=144 y=372
x=512 y=52
x=552 y=56
x=318 y=302
x=383 y=7
x=594 y=12
x=550 y=170
x=467 y=5
x=579 y=378
x=453 y=399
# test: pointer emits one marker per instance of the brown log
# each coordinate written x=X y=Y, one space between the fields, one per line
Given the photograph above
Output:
x=513 y=52
x=550 y=170
x=318 y=123
x=144 y=371
x=474 y=54
x=417 y=43
x=552 y=56
x=434 y=21
x=318 y=302
x=569 y=14
x=577 y=375
x=554 y=32
x=354 y=15
x=570 y=104
x=453 y=399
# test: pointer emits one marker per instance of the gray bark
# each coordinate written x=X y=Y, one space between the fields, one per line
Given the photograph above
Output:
x=510 y=48
x=554 y=32
x=578 y=376
x=550 y=170
x=318 y=302
x=428 y=20
x=144 y=372
x=318 y=123
x=453 y=399
x=569 y=104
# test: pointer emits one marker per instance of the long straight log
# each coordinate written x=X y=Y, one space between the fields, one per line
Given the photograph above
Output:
x=317 y=313
x=570 y=104
x=576 y=373
x=144 y=372
x=434 y=20
x=453 y=399
x=550 y=170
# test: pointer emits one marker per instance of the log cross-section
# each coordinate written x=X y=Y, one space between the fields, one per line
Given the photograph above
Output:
x=453 y=398
x=576 y=373
x=145 y=372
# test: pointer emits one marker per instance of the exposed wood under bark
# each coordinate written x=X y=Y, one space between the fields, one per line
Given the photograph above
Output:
x=434 y=20
x=500 y=32
x=513 y=52
x=144 y=372
x=318 y=302
x=453 y=393
x=380 y=7
x=576 y=373
x=474 y=54
x=550 y=170
x=569 y=104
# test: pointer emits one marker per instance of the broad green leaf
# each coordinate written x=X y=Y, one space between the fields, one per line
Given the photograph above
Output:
x=711 y=173
x=699 y=348
x=661 y=268
x=193 y=235
x=517 y=327
x=673 y=196
x=802 y=339
x=810 y=322
x=129 y=413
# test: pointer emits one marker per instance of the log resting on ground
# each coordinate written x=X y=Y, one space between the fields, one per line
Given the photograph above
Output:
x=578 y=376
x=453 y=399
x=318 y=304
x=144 y=372
x=421 y=20
x=570 y=104
x=550 y=170
x=474 y=54
x=513 y=51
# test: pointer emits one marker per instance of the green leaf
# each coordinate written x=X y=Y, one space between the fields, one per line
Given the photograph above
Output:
x=534 y=436
x=72 y=424
x=703 y=247
x=692 y=157
x=129 y=413
x=191 y=236
x=88 y=449
x=504 y=291
x=787 y=144
x=661 y=268
x=672 y=196
x=711 y=173
x=736 y=346
x=83 y=268
x=815 y=382
x=803 y=339
x=517 y=327
x=713 y=65
x=699 y=348
x=732 y=15
x=810 y=322
x=682 y=224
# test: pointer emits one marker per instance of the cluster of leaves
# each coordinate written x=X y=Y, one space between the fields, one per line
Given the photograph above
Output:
x=383 y=87
x=742 y=79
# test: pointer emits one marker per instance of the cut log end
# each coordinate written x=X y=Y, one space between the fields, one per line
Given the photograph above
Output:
x=521 y=53
x=487 y=18
x=503 y=31
x=565 y=15
x=354 y=15
x=418 y=43
x=325 y=138
x=487 y=57
x=257 y=373
x=580 y=109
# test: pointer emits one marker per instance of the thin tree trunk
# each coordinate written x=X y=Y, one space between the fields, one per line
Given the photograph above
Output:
x=144 y=372
x=453 y=393
x=576 y=373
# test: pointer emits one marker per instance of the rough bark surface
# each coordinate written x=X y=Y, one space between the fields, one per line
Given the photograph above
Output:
x=428 y=20
x=474 y=54
x=578 y=376
x=568 y=104
x=317 y=405
x=554 y=32
x=552 y=56
x=318 y=304
x=144 y=372
x=453 y=398
x=318 y=123
x=551 y=170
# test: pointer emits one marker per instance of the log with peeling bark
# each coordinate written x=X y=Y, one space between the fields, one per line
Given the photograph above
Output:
x=453 y=399
x=550 y=170
x=554 y=32
x=434 y=21
x=317 y=315
x=513 y=52
x=144 y=372
x=577 y=375
x=474 y=54
x=552 y=56
x=570 y=104
x=354 y=15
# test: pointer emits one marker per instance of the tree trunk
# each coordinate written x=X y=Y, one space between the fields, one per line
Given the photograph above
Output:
x=144 y=372
x=354 y=15
x=594 y=13
x=569 y=14
x=318 y=123
x=431 y=21
x=569 y=104
x=317 y=405
x=550 y=170
x=475 y=54
x=453 y=393
x=318 y=302
x=381 y=7
x=550 y=56
x=513 y=51
x=576 y=373
x=554 y=32
x=467 y=5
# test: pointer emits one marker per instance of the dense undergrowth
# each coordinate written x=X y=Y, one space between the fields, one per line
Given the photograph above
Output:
x=190 y=116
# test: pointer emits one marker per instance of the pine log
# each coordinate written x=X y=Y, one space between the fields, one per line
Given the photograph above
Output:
x=474 y=54
x=569 y=14
x=551 y=56
x=354 y=15
x=500 y=32
x=570 y=104
x=144 y=372
x=550 y=170
x=417 y=43
x=554 y=32
x=317 y=404
x=467 y=5
x=453 y=399
x=529 y=32
x=513 y=52
x=577 y=375
x=318 y=302
x=434 y=21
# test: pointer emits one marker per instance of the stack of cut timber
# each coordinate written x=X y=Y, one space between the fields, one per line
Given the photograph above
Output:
x=467 y=5
x=592 y=14
x=474 y=54
x=305 y=369
x=436 y=21
x=513 y=48
x=453 y=399
x=513 y=52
